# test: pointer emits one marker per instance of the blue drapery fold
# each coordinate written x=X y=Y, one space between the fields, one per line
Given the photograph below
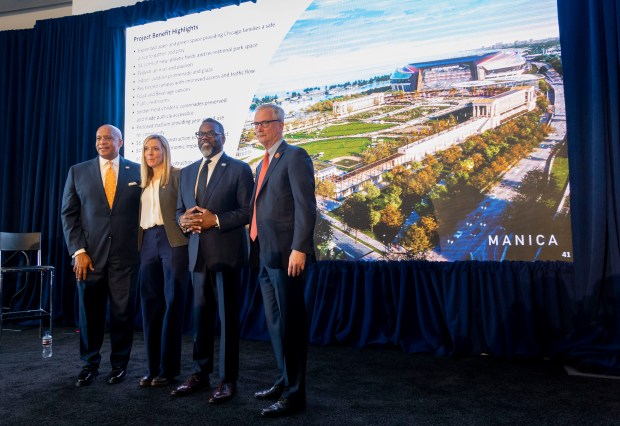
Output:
x=15 y=57
x=73 y=75
x=64 y=78
x=590 y=37
x=509 y=309
x=160 y=10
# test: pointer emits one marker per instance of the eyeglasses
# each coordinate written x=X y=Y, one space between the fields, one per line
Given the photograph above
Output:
x=262 y=124
x=209 y=134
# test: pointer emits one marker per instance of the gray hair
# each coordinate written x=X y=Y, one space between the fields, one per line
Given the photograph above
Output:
x=278 y=112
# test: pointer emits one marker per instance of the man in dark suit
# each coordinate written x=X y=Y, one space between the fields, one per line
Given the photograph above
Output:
x=281 y=230
x=100 y=222
x=213 y=206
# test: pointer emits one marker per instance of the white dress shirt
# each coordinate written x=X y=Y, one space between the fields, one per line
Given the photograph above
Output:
x=103 y=166
x=150 y=212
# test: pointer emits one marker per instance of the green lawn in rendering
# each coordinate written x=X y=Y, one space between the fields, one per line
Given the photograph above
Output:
x=333 y=148
x=346 y=129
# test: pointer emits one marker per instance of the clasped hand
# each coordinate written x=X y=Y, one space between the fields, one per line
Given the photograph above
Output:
x=196 y=219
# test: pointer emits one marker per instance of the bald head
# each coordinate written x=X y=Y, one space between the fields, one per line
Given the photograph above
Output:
x=109 y=141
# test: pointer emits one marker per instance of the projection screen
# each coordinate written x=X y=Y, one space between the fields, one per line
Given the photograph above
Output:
x=437 y=128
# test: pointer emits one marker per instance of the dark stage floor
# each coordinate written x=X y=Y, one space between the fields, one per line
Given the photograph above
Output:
x=371 y=386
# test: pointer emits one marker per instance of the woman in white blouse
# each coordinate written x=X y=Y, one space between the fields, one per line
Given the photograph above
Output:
x=164 y=278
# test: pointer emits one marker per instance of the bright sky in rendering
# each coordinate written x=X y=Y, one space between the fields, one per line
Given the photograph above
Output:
x=335 y=41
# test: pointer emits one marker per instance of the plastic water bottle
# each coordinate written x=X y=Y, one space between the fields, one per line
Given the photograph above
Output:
x=46 y=341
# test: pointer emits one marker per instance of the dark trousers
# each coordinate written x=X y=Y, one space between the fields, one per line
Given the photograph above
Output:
x=216 y=289
x=116 y=282
x=285 y=313
x=164 y=280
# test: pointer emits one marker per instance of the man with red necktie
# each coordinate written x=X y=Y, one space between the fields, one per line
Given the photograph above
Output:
x=281 y=233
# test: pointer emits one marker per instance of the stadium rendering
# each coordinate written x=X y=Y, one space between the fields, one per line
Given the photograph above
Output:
x=497 y=66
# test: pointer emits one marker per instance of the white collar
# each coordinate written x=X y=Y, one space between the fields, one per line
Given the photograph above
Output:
x=214 y=159
x=116 y=162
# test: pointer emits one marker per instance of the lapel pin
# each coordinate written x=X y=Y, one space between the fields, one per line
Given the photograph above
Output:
x=277 y=155
x=127 y=167
x=223 y=164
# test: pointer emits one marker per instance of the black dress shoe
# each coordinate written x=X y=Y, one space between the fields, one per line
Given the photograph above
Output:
x=222 y=393
x=86 y=376
x=273 y=393
x=190 y=385
x=117 y=375
x=283 y=407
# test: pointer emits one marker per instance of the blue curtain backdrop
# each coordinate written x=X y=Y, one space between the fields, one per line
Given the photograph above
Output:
x=590 y=37
x=64 y=78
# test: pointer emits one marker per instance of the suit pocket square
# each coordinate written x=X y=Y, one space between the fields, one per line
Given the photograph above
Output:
x=132 y=184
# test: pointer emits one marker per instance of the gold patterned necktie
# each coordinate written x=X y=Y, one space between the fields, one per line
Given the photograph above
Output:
x=110 y=183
